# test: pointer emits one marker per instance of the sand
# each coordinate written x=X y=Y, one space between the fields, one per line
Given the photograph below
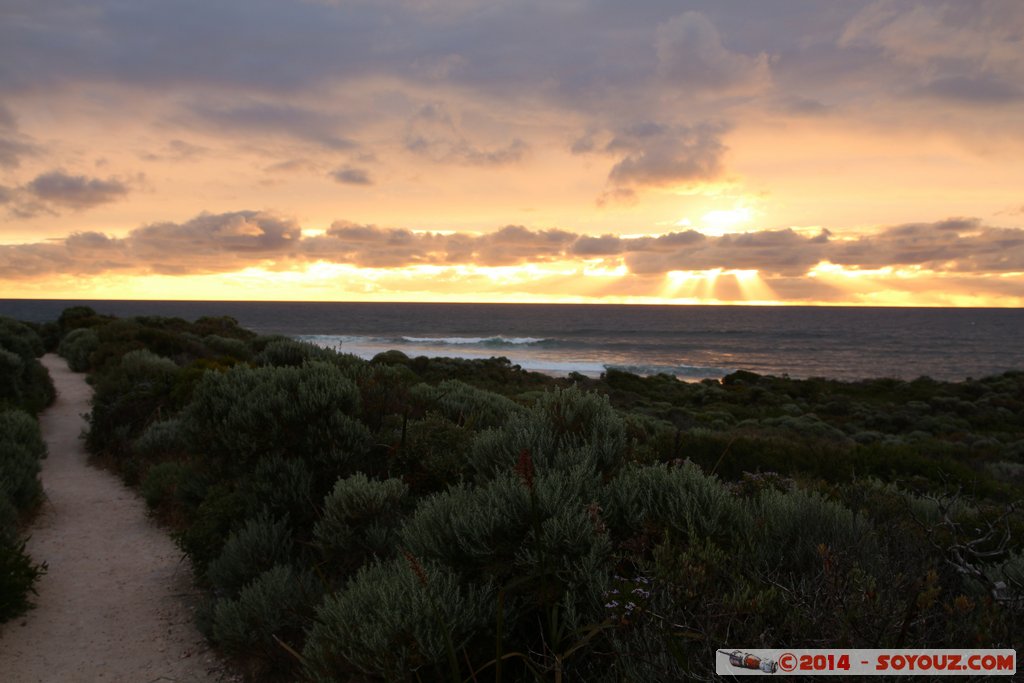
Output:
x=115 y=603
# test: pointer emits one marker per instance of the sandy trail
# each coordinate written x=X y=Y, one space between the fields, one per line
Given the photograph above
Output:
x=114 y=604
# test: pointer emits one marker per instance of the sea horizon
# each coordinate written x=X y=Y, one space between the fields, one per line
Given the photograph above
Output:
x=690 y=342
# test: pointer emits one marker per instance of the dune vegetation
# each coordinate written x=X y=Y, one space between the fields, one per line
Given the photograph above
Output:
x=25 y=389
x=415 y=519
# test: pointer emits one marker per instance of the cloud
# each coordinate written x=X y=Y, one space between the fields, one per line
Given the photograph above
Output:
x=206 y=244
x=12 y=150
x=177 y=150
x=348 y=175
x=49 y=193
x=960 y=245
x=228 y=242
x=657 y=154
x=13 y=145
x=982 y=91
x=76 y=192
x=433 y=133
x=691 y=55
x=771 y=251
x=270 y=117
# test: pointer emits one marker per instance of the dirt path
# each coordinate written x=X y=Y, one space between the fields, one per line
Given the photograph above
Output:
x=113 y=606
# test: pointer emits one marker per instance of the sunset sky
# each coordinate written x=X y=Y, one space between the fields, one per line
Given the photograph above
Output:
x=772 y=151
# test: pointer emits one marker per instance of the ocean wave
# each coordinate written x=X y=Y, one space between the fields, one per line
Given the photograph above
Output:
x=476 y=341
x=680 y=371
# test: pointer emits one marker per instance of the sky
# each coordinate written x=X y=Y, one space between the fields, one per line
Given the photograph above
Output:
x=867 y=152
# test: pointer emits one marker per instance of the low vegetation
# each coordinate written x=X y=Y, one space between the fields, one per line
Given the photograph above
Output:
x=25 y=389
x=413 y=519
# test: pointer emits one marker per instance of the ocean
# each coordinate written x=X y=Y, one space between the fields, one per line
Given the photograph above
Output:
x=690 y=342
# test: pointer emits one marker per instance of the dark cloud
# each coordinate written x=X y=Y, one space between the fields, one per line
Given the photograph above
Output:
x=212 y=243
x=433 y=133
x=960 y=245
x=771 y=251
x=177 y=150
x=205 y=244
x=13 y=145
x=276 y=119
x=12 y=151
x=979 y=91
x=348 y=175
x=77 y=192
x=691 y=55
x=657 y=154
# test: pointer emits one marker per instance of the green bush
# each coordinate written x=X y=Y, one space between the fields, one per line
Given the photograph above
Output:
x=282 y=488
x=359 y=520
x=282 y=353
x=467 y=405
x=18 y=576
x=20 y=339
x=793 y=525
x=221 y=510
x=21 y=448
x=253 y=549
x=677 y=497
x=227 y=346
x=238 y=416
x=275 y=608
x=563 y=429
x=78 y=346
x=161 y=439
x=395 y=618
x=435 y=452
x=128 y=397
x=24 y=382
x=162 y=481
x=489 y=527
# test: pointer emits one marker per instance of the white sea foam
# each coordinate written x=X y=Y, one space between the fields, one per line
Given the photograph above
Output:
x=558 y=363
x=470 y=341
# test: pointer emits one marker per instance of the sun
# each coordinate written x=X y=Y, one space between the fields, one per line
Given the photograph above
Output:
x=721 y=221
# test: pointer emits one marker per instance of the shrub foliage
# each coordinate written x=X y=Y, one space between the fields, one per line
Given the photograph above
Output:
x=438 y=519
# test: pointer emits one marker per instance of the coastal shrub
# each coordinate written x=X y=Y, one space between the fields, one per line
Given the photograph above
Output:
x=248 y=552
x=11 y=370
x=19 y=338
x=162 y=481
x=128 y=397
x=793 y=524
x=77 y=348
x=209 y=525
x=237 y=416
x=21 y=448
x=270 y=612
x=9 y=518
x=24 y=382
x=160 y=439
x=434 y=452
x=360 y=517
x=492 y=527
x=395 y=618
x=466 y=405
x=283 y=488
x=383 y=391
x=18 y=577
x=290 y=353
x=227 y=346
x=677 y=497
x=564 y=428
